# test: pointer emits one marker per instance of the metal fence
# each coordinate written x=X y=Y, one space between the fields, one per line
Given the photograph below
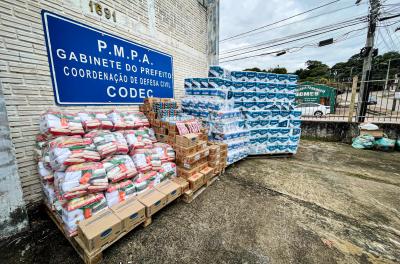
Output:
x=381 y=103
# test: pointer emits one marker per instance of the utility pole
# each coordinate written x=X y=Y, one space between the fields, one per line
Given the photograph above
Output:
x=387 y=75
x=366 y=71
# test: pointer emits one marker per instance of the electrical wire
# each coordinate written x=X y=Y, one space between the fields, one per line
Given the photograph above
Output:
x=390 y=37
x=349 y=21
x=279 y=21
x=293 y=40
x=291 y=49
x=295 y=22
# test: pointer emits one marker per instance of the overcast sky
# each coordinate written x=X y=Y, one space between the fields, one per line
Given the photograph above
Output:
x=241 y=16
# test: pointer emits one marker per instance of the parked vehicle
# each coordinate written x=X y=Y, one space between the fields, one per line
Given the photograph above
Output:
x=313 y=109
x=372 y=100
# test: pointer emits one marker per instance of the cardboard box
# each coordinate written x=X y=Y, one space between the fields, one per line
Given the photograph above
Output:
x=185 y=174
x=192 y=158
x=223 y=153
x=171 y=138
x=196 y=181
x=214 y=149
x=131 y=213
x=375 y=133
x=203 y=166
x=184 y=184
x=164 y=124
x=152 y=115
x=157 y=123
x=151 y=100
x=153 y=200
x=222 y=146
x=183 y=151
x=169 y=188
x=213 y=163
x=99 y=229
x=201 y=145
x=172 y=128
x=214 y=156
x=208 y=173
x=203 y=136
x=187 y=140
x=161 y=138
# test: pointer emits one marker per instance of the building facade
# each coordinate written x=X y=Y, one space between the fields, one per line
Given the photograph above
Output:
x=180 y=28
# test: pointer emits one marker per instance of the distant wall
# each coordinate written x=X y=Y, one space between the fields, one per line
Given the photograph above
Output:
x=341 y=131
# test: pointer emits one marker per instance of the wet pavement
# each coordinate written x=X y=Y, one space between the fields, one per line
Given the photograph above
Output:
x=328 y=204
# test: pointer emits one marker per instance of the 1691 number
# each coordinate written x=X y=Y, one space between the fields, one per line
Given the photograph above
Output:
x=102 y=11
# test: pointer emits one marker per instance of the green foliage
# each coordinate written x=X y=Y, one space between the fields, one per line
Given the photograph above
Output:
x=354 y=65
x=314 y=71
x=255 y=69
x=278 y=69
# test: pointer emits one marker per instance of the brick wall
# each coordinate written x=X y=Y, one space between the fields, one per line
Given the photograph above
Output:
x=177 y=27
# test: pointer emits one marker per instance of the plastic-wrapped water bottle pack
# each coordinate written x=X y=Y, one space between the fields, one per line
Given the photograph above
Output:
x=265 y=101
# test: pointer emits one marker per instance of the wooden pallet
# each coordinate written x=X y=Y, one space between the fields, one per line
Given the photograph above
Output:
x=189 y=196
x=270 y=156
x=90 y=257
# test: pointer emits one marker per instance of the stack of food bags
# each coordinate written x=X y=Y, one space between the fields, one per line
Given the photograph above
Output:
x=95 y=120
x=119 y=192
x=70 y=150
x=119 y=167
x=84 y=173
x=142 y=159
x=108 y=143
x=118 y=120
x=57 y=123
x=81 y=179
x=138 y=139
x=81 y=208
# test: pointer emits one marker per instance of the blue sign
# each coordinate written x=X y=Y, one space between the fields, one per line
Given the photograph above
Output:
x=90 y=66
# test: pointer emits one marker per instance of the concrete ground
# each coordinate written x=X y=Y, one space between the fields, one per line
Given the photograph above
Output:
x=328 y=204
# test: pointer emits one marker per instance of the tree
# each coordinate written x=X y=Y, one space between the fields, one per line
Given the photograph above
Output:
x=314 y=71
x=280 y=70
x=255 y=69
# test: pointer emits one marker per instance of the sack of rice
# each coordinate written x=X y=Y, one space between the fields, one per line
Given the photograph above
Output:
x=108 y=143
x=168 y=170
x=142 y=159
x=70 y=150
x=119 y=167
x=83 y=178
x=117 y=119
x=119 y=192
x=58 y=123
x=95 y=120
x=168 y=153
x=138 y=139
x=81 y=208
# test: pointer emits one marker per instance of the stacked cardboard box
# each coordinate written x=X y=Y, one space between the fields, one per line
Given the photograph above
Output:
x=192 y=160
x=121 y=218
x=189 y=139
x=168 y=121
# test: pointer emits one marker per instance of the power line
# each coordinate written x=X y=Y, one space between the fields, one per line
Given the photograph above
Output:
x=274 y=23
x=291 y=23
x=350 y=22
x=289 y=41
x=288 y=49
x=390 y=37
